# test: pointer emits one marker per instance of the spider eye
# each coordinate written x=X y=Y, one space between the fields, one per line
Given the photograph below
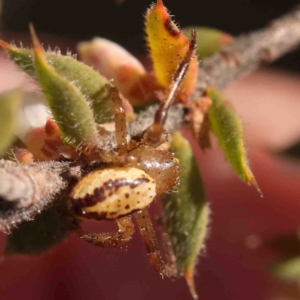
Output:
x=112 y=193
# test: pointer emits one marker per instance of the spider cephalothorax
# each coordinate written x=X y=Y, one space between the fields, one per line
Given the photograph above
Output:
x=138 y=171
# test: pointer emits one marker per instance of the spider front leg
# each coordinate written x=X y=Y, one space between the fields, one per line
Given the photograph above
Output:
x=117 y=239
x=120 y=120
x=147 y=232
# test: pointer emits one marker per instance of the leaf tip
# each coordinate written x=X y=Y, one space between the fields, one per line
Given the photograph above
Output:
x=253 y=181
x=5 y=45
x=35 y=41
x=159 y=2
x=189 y=277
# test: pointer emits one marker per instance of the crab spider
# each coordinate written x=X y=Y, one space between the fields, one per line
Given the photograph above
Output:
x=132 y=178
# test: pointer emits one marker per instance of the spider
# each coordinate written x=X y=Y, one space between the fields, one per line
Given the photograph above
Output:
x=132 y=177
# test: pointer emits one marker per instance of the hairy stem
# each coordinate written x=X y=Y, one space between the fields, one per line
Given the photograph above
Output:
x=26 y=190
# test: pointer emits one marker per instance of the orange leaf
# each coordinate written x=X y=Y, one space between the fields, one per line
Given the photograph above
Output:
x=168 y=46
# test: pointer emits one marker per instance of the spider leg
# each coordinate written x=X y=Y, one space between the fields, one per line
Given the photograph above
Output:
x=112 y=239
x=154 y=133
x=147 y=232
x=120 y=120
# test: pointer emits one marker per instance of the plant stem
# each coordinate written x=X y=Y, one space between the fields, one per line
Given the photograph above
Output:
x=250 y=51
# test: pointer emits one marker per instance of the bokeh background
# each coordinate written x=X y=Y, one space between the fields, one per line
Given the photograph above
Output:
x=239 y=254
x=122 y=20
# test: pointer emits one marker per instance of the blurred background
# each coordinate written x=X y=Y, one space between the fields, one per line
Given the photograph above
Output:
x=122 y=20
x=248 y=234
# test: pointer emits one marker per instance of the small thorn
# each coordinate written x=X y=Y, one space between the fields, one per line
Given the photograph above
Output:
x=189 y=277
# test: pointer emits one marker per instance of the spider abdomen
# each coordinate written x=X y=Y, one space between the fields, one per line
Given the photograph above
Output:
x=112 y=193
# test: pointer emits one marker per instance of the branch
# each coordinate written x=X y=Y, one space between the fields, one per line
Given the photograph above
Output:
x=40 y=184
x=249 y=52
x=26 y=190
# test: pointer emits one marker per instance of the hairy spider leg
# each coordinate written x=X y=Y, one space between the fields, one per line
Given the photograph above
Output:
x=120 y=120
x=117 y=239
x=154 y=133
x=148 y=234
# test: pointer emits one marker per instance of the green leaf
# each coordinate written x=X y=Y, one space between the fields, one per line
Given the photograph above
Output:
x=68 y=105
x=209 y=40
x=226 y=126
x=9 y=105
x=89 y=81
x=186 y=212
x=288 y=270
x=47 y=230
